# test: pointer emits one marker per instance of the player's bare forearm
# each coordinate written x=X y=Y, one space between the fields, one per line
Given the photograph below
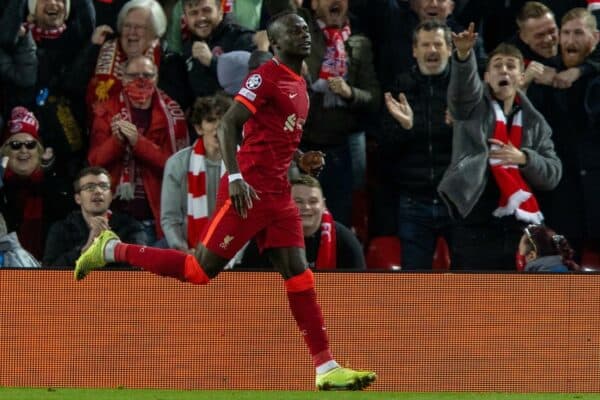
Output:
x=230 y=134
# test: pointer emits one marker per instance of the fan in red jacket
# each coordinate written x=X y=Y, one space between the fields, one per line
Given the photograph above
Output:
x=133 y=134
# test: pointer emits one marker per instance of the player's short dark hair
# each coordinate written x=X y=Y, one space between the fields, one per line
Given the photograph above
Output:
x=92 y=170
x=506 y=49
x=306 y=180
x=433 y=25
x=210 y=108
x=272 y=25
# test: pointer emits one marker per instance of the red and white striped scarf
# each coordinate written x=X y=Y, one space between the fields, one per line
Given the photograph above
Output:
x=327 y=254
x=177 y=131
x=197 y=202
x=39 y=33
x=335 y=60
x=334 y=64
x=516 y=197
x=110 y=67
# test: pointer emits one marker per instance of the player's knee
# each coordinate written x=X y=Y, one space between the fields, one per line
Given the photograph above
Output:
x=210 y=263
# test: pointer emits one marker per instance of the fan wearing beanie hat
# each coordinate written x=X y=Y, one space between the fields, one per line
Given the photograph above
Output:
x=21 y=142
x=31 y=196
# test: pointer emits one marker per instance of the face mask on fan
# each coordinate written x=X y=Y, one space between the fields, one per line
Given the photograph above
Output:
x=139 y=90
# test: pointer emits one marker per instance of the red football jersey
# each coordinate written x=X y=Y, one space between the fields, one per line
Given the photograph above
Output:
x=278 y=100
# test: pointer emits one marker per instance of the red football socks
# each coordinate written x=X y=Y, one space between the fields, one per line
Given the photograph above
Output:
x=302 y=298
x=164 y=262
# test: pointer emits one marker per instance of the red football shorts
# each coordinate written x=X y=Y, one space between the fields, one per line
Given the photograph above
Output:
x=274 y=221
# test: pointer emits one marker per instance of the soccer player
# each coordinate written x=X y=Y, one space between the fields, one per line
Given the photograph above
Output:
x=271 y=107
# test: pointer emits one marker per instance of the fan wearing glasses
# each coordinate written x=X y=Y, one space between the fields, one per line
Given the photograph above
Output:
x=32 y=194
x=68 y=237
x=133 y=134
x=543 y=250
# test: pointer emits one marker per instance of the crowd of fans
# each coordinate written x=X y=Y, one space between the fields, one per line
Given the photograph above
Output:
x=465 y=120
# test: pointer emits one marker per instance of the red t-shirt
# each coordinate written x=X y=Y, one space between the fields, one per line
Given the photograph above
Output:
x=278 y=100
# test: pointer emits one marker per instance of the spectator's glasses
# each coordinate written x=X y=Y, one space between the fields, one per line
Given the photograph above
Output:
x=91 y=187
x=527 y=231
x=135 y=75
x=29 y=144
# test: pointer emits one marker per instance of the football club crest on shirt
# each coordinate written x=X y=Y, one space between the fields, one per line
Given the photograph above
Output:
x=226 y=241
x=253 y=82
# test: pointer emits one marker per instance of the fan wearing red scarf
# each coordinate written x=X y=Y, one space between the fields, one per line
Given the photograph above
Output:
x=502 y=153
x=328 y=243
x=30 y=196
x=133 y=134
x=191 y=178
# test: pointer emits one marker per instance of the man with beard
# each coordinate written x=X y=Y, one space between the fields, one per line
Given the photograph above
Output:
x=211 y=33
x=502 y=149
x=417 y=143
x=572 y=208
x=69 y=237
x=538 y=39
x=133 y=134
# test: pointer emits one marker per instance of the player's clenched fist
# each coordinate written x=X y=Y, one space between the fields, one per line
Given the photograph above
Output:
x=202 y=53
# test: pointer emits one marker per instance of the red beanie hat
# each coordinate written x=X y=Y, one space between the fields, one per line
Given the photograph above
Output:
x=22 y=121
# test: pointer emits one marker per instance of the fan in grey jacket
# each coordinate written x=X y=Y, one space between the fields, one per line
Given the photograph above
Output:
x=468 y=186
x=177 y=193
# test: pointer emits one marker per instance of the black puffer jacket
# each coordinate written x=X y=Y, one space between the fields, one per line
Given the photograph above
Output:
x=226 y=37
x=413 y=161
x=66 y=237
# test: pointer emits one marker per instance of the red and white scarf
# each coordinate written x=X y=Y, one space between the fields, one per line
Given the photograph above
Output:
x=39 y=33
x=197 y=202
x=335 y=62
x=327 y=254
x=109 y=70
x=516 y=197
x=177 y=128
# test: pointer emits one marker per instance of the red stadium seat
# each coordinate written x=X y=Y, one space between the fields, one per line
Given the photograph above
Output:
x=384 y=253
x=360 y=213
x=590 y=260
x=441 y=257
